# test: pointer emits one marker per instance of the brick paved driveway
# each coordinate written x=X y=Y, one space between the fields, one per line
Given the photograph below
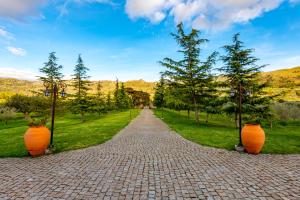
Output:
x=147 y=161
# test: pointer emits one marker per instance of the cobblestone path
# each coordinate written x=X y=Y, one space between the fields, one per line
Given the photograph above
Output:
x=148 y=161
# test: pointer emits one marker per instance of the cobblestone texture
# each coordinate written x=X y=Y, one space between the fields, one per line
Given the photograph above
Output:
x=148 y=161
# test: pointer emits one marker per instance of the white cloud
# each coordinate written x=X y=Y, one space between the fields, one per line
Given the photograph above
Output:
x=154 y=10
x=8 y=72
x=16 y=51
x=15 y=9
x=4 y=33
x=63 y=8
x=201 y=14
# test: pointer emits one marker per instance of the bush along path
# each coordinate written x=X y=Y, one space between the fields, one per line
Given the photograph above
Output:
x=148 y=161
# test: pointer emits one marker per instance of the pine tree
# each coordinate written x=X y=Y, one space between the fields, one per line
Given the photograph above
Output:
x=81 y=104
x=116 y=94
x=99 y=90
x=98 y=104
x=109 y=102
x=80 y=79
x=124 y=99
x=51 y=70
x=190 y=76
x=159 y=96
x=245 y=91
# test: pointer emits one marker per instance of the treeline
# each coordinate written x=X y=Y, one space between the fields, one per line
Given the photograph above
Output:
x=190 y=83
x=81 y=102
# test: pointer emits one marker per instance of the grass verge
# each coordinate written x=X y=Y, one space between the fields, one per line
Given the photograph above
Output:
x=220 y=132
x=70 y=133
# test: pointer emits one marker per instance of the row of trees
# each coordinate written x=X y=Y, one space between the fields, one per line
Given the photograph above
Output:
x=82 y=101
x=189 y=83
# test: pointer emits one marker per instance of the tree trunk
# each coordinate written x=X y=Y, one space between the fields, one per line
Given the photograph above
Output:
x=26 y=116
x=82 y=116
x=196 y=110
x=236 y=120
x=188 y=113
x=206 y=118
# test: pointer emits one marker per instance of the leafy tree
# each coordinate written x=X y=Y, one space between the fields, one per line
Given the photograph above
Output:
x=190 y=76
x=242 y=80
x=21 y=104
x=138 y=98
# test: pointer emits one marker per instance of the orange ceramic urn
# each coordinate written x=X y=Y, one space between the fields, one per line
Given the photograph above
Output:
x=253 y=138
x=37 y=139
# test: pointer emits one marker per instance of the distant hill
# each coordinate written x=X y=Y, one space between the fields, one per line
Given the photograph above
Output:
x=11 y=86
x=285 y=82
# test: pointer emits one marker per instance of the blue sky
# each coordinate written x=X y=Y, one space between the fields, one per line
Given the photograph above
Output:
x=127 y=38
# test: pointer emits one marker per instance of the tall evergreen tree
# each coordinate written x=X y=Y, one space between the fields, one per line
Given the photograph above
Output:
x=124 y=98
x=159 y=96
x=116 y=94
x=51 y=70
x=190 y=76
x=99 y=90
x=109 y=103
x=246 y=94
x=80 y=79
x=81 y=104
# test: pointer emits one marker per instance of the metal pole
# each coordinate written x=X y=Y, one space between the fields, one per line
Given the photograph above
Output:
x=53 y=113
x=240 y=115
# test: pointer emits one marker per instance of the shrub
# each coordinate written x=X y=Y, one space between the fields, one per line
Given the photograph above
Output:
x=7 y=114
x=287 y=110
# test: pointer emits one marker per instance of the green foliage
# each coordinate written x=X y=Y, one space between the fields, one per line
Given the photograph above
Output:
x=287 y=110
x=138 y=98
x=121 y=98
x=21 y=104
x=159 y=96
x=80 y=79
x=242 y=79
x=51 y=70
x=69 y=133
x=82 y=103
x=220 y=132
x=81 y=106
x=190 y=76
x=37 y=122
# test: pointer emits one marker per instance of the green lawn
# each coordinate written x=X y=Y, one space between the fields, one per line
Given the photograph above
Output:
x=220 y=132
x=69 y=134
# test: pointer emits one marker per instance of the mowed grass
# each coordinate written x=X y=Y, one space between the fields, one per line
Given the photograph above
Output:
x=70 y=133
x=220 y=132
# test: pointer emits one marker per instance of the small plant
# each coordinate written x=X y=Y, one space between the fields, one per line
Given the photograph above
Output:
x=37 y=122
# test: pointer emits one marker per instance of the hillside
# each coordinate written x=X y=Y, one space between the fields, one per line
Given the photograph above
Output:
x=11 y=86
x=285 y=82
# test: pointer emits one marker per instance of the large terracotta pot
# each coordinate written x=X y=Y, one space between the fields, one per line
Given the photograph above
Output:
x=37 y=139
x=253 y=138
